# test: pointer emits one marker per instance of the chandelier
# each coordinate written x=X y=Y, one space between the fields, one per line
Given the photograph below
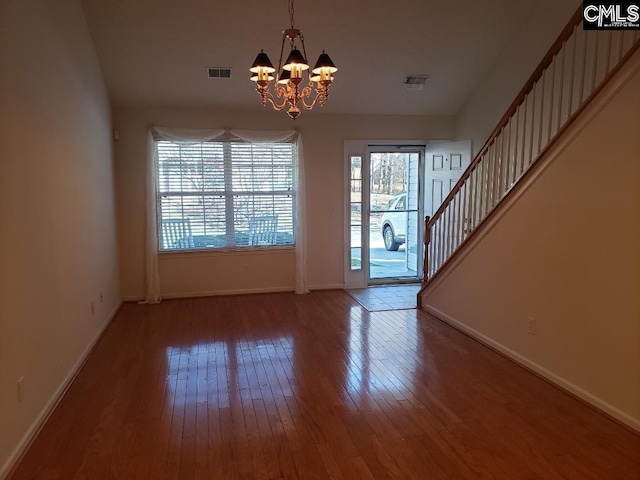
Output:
x=288 y=82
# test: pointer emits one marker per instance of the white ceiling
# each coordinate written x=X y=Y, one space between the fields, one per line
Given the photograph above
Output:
x=156 y=52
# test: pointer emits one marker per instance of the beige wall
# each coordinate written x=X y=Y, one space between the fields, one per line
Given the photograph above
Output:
x=57 y=234
x=522 y=54
x=566 y=253
x=218 y=272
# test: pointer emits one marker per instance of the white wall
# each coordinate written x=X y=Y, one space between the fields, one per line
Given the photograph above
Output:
x=566 y=253
x=218 y=272
x=57 y=234
x=522 y=54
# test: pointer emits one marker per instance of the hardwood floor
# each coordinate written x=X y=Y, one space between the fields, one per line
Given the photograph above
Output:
x=284 y=386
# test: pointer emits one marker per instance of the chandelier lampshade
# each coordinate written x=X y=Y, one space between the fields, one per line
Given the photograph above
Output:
x=295 y=60
x=324 y=68
x=262 y=61
x=284 y=77
x=262 y=68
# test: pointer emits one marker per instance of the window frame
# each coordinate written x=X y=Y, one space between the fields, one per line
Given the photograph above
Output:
x=229 y=197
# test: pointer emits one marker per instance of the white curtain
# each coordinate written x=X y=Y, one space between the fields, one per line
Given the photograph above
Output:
x=301 y=194
x=301 y=221
x=152 y=288
x=152 y=291
x=187 y=134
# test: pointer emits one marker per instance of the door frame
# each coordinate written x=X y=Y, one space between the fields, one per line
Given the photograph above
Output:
x=358 y=278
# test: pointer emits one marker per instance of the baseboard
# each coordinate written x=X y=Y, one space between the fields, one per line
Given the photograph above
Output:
x=241 y=291
x=43 y=416
x=216 y=293
x=557 y=380
x=327 y=286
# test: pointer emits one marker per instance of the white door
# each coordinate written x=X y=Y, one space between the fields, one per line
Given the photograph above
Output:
x=445 y=163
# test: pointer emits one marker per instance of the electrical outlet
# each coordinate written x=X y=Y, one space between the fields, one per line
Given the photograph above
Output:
x=532 y=326
x=21 y=390
x=93 y=308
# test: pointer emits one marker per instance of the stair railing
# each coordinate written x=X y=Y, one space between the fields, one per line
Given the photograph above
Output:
x=574 y=70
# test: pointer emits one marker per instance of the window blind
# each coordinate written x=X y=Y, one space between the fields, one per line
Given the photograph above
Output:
x=225 y=194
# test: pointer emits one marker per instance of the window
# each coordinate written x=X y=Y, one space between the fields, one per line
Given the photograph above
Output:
x=355 y=201
x=224 y=194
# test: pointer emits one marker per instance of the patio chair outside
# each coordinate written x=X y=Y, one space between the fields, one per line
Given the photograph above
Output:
x=176 y=234
x=263 y=230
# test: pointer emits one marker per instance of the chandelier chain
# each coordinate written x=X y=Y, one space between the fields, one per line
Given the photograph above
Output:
x=291 y=12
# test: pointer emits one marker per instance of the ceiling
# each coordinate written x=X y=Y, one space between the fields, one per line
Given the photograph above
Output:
x=156 y=52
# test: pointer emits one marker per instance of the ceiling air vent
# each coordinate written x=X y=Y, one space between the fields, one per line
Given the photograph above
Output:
x=219 y=72
x=415 y=82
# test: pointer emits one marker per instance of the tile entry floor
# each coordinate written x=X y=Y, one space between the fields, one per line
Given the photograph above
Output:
x=386 y=297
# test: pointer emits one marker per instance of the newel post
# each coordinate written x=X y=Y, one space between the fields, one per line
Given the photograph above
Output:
x=427 y=240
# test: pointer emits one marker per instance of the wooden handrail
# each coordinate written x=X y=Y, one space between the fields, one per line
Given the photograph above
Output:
x=479 y=204
x=575 y=20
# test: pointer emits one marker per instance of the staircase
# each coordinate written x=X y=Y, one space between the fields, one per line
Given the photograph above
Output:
x=575 y=69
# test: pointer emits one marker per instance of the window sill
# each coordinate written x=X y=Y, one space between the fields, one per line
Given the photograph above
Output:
x=222 y=252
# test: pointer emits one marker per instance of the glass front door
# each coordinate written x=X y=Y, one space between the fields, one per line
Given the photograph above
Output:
x=394 y=230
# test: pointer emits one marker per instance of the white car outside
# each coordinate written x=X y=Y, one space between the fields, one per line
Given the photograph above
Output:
x=394 y=223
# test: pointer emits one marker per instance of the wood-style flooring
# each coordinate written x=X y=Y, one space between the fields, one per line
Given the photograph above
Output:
x=285 y=386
